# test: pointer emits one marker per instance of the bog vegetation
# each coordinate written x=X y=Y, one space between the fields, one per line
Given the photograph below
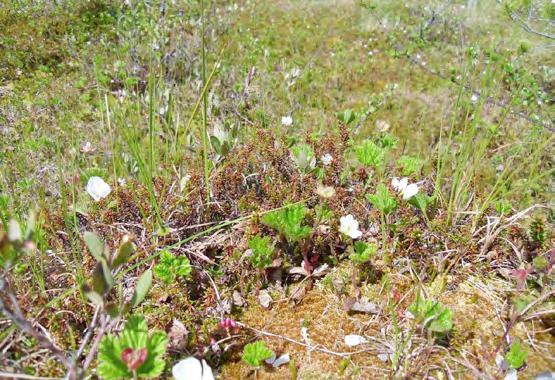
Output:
x=277 y=189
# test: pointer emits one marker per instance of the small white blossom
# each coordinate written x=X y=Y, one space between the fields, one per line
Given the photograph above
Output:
x=349 y=227
x=97 y=188
x=327 y=159
x=402 y=186
x=474 y=98
x=192 y=369
x=286 y=121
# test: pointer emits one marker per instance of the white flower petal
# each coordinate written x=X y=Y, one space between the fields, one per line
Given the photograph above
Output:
x=192 y=369
x=286 y=120
x=349 y=226
x=188 y=369
x=97 y=188
x=207 y=373
x=354 y=340
x=410 y=191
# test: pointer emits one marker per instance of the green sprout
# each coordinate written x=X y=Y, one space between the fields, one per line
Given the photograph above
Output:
x=382 y=200
x=255 y=353
x=370 y=154
x=171 y=267
x=362 y=252
x=346 y=117
x=433 y=316
x=262 y=251
x=288 y=222
x=517 y=354
x=409 y=165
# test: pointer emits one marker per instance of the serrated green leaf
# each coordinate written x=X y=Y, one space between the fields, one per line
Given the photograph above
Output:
x=369 y=154
x=255 y=353
x=141 y=289
x=517 y=355
x=95 y=245
x=382 y=200
x=262 y=251
x=134 y=336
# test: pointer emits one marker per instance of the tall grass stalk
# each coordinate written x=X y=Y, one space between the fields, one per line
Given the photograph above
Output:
x=204 y=107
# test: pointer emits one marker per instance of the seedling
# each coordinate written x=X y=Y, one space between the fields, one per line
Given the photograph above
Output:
x=370 y=154
x=409 y=165
x=362 y=252
x=517 y=354
x=255 y=353
x=384 y=202
x=133 y=354
x=388 y=141
x=432 y=315
x=262 y=251
x=288 y=221
x=172 y=267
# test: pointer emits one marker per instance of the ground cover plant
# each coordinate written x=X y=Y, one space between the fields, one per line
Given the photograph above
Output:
x=288 y=189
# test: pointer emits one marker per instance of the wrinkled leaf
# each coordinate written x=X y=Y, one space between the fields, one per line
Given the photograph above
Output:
x=123 y=253
x=143 y=286
x=95 y=245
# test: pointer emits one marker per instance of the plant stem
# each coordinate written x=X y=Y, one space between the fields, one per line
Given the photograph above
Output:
x=204 y=108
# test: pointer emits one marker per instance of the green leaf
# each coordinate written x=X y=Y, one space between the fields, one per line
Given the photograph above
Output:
x=433 y=315
x=135 y=336
x=182 y=266
x=420 y=201
x=262 y=251
x=363 y=252
x=99 y=283
x=346 y=117
x=170 y=267
x=143 y=286
x=255 y=353
x=304 y=158
x=409 y=165
x=93 y=296
x=516 y=357
x=95 y=245
x=382 y=200
x=442 y=321
x=288 y=222
x=369 y=154
x=123 y=253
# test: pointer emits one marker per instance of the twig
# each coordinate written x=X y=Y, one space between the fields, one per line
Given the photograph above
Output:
x=6 y=375
x=310 y=347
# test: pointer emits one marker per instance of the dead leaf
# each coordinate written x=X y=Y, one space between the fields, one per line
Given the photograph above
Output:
x=298 y=293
